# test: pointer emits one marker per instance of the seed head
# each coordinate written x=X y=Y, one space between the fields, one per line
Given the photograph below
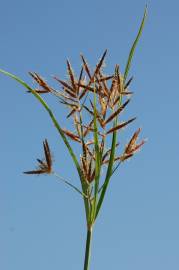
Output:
x=44 y=167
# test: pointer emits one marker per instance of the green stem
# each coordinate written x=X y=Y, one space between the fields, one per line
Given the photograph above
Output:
x=88 y=249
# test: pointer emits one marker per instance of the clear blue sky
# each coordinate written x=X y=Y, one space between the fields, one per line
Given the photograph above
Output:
x=42 y=221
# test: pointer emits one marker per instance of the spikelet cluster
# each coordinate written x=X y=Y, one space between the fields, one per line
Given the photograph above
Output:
x=77 y=94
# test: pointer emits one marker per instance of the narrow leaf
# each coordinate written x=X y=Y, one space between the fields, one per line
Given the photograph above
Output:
x=57 y=126
x=131 y=54
x=109 y=171
x=97 y=156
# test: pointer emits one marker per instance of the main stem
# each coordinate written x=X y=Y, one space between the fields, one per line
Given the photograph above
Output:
x=88 y=249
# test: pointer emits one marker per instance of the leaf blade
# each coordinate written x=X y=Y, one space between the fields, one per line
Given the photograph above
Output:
x=132 y=51
x=57 y=126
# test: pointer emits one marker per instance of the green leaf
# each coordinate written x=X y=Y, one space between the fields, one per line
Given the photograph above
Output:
x=109 y=170
x=57 y=126
x=97 y=157
x=131 y=54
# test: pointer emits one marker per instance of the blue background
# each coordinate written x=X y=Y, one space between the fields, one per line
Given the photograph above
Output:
x=42 y=223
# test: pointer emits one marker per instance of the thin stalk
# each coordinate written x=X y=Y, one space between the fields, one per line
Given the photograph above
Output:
x=70 y=185
x=88 y=249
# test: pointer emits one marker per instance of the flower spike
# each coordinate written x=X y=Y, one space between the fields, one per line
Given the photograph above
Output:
x=44 y=167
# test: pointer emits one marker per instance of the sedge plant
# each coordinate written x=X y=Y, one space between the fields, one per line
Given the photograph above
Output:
x=95 y=102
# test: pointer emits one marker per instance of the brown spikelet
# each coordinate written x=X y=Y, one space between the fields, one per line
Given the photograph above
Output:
x=84 y=166
x=90 y=152
x=101 y=122
x=94 y=75
x=63 y=96
x=70 y=93
x=132 y=146
x=120 y=82
x=113 y=85
x=71 y=75
x=132 y=141
x=47 y=153
x=72 y=135
x=86 y=87
x=112 y=116
x=85 y=65
x=113 y=93
x=106 y=78
x=116 y=88
x=99 y=88
x=40 y=91
x=69 y=104
x=103 y=104
x=67 y=87
x=126 y=93
x=118 y=79
x=105 y=88
x=128 y=82
x=79 y=80
x=88 y=128
x=44 y=167
x=84 y=147
x=90 y=142
x=72 y=112
x=41 y=82
x=121 y=125
x=100 y=63
x=138 y=146
x=123 y=93
x=41 y=171
x=118 y=98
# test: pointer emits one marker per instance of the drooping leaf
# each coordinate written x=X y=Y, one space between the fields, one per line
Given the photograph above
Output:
x=57 y=126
